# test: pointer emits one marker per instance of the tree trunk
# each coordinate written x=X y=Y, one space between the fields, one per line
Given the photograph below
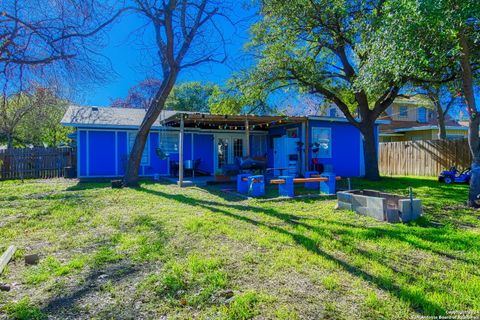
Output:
x=370 y=152
x=9 y=140
x=153 y=112
x=442 y=131
x=474 y=122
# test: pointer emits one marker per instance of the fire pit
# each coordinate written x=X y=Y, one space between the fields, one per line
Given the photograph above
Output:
x=379 y=205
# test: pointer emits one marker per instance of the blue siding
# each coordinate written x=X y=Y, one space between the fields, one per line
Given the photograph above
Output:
x=82 y=150
x=346 y=155
x=203 y=150
x=104 y=160
x=122 y=157
x=157 y=165
x=101 y=150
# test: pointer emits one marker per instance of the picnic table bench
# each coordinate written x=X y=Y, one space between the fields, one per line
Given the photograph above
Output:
x=255 y=185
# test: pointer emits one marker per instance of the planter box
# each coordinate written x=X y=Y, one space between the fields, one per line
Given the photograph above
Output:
x=379 y=205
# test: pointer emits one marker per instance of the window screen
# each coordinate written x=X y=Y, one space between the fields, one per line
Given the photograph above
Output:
x=168 y=142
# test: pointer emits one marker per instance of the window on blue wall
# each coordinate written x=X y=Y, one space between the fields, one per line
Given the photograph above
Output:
x=146 y=152
x=169 y=142
x=322 y=142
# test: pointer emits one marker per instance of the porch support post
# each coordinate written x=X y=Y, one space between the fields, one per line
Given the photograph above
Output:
x=247 y=137
x=180 y=155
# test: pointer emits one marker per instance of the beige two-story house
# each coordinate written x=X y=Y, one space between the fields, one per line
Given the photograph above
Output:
x=412 y=118
x=415 y=118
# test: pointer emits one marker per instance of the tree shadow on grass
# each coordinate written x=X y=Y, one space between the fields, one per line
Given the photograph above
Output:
x=81 y=186
x=114 y=273
x=417 y=301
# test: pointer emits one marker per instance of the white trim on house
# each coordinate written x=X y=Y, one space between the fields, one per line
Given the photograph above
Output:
x=422 y=128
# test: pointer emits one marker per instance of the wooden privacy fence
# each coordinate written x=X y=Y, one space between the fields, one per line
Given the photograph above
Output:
x=32 y=163
x=423 y=157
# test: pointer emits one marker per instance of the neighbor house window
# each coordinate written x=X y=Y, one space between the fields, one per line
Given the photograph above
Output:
x=322 y=139
x=146 y=151
x=403 y=112
x=422 y=115
x=168 y=142
x=333 y=112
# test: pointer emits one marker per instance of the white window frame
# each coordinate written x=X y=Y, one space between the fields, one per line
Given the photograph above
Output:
x=314 y=135
x=146 y=150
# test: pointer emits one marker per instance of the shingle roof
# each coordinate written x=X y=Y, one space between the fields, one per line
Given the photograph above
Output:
x=107 y=116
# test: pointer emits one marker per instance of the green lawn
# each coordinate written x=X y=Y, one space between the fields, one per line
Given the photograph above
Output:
x=199 y=253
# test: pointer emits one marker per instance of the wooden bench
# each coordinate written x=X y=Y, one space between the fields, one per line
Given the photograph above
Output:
x=303 y=180
x=286 y=184
x=254 y=180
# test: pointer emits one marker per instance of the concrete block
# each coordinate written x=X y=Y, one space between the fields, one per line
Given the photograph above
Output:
x=344 y=196
x=362 y=211
x=358 y=201
x=343 y=205
x=393 y=216
x=405 y=208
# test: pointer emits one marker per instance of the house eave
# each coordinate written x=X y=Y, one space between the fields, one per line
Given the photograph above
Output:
x=424 y=128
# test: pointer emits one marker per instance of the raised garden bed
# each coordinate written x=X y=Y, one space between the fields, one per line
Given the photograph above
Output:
x=379 y=205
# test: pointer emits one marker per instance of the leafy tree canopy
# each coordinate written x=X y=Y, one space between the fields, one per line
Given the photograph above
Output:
x=33 y=118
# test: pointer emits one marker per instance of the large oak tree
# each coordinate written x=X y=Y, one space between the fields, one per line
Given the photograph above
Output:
x=322 y=47
x=439 y=37
x=185 y=34
x=319 y=46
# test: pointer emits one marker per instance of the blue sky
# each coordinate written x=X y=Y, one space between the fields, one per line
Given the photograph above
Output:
x=128 y=58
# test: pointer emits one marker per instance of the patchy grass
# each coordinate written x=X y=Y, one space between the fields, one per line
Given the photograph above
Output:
x=199 y=253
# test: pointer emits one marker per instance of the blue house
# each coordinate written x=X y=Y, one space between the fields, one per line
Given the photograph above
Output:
x=105 y=136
